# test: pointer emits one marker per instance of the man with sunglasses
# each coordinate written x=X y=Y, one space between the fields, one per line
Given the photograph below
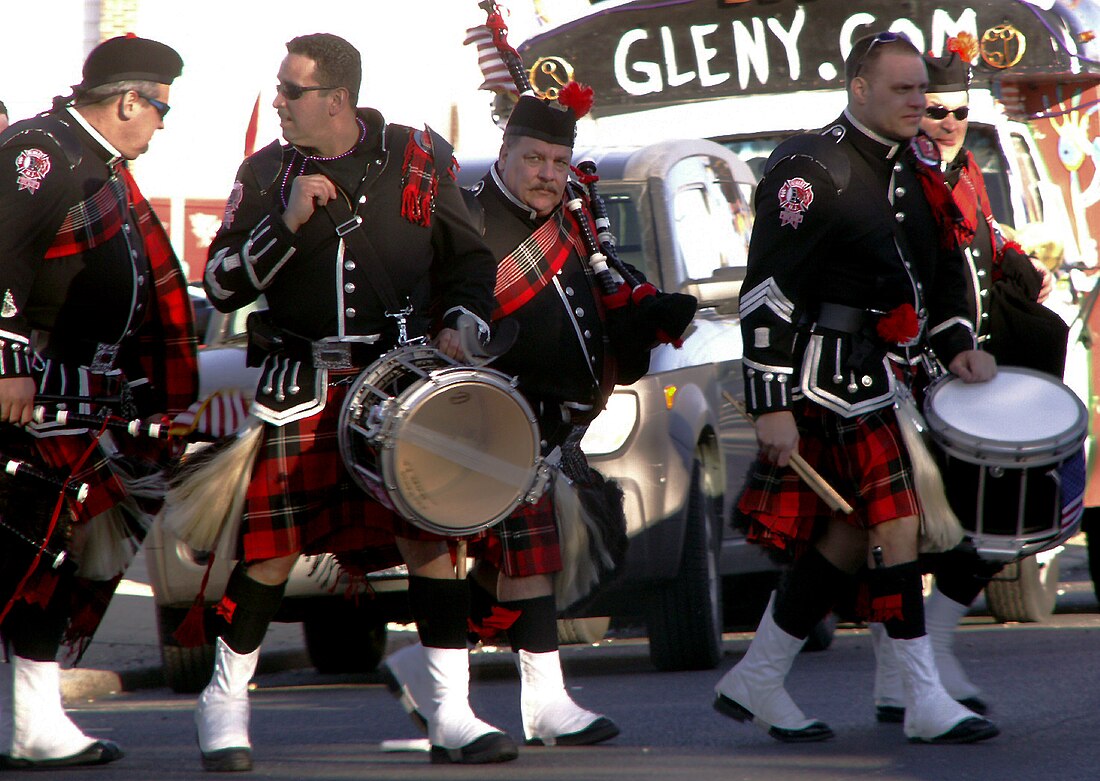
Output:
x=852 y=274
x=357 y=236
x=93 y=304
x=1005 y=289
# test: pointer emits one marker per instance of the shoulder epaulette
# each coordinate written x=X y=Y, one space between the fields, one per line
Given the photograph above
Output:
x=266 y=165
x=819 y=147
x=54 y=128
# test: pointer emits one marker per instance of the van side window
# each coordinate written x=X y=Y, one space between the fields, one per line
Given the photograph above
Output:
x=1029 y=174
x=626 y=227
x=711 y=216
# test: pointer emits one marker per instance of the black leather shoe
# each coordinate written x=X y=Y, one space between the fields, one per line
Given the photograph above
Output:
x=890 y=714
x=975 y=704
x=966 y=731
x=811 y=733
x=99 y=753
x=491 y=747
x=598 y=731
x=227 y=760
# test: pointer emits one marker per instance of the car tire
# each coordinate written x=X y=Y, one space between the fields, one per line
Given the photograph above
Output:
x=343 y=637
x=186 y=670
x=1024 y=591
x=583 y=630
x=684 y=620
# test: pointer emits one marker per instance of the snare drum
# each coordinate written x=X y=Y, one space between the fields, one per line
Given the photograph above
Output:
x=1012 y=458
x=451 y=448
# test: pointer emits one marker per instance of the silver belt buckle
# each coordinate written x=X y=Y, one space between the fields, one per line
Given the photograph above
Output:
x=104 y=359
x=332 y=355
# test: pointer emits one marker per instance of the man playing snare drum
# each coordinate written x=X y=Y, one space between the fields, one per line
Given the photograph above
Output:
x=1005 y=288
x=854 y=270
x=356 y=234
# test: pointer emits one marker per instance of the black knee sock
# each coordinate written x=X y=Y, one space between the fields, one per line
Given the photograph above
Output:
x=897 y=599
x=961 y=575
x=807 y=592
x=536 y=627
x=34 y=632
x=440 y=608
x=246 y=609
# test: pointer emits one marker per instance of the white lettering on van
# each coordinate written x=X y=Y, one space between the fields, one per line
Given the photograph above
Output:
x=675 y=77
x=943 y=27
x=751 y=50
x=789 y=39
x=704 y=54
x=650 y=69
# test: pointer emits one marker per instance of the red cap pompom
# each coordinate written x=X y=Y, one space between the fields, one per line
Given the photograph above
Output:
x=577 y=97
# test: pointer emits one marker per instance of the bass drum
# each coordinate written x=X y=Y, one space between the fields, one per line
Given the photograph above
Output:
x=451 y=448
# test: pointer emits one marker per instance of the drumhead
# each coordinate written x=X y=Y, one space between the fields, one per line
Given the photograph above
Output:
x=462 y=451
x=1021 y=415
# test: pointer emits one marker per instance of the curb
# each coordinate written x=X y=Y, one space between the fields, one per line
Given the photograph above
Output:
x=82 y=684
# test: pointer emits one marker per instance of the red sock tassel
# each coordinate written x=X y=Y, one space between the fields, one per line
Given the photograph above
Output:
x=191 y=632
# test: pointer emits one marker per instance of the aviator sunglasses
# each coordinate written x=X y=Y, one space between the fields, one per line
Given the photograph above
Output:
x=881 y=38
x=940 y=112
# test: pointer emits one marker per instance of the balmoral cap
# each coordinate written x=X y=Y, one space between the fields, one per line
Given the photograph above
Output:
x=130 y=58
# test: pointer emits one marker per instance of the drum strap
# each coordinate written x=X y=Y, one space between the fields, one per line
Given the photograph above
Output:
x=348 y=227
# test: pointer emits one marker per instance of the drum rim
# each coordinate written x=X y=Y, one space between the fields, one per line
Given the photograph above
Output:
x=977 y=450
x=429 y=382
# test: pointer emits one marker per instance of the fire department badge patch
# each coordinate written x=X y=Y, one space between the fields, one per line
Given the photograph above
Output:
x=32 y=166
x=232 y=203
x=795 y=197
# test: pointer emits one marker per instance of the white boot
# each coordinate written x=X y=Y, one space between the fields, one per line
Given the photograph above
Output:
x=406 y=675
x=753 y=689
x=931 y=715
x=456 y=734
x=941 y=618
x=222 y=713
x=550 y=717
x=42 y=735
x=889 y=693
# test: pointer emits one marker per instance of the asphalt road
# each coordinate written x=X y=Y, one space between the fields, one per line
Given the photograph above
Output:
x=1041 y=679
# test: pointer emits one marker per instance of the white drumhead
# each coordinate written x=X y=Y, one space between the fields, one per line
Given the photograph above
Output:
x=463 y=453
x=1016 y=406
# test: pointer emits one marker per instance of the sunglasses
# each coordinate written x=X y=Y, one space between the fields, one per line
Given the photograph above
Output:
x=939 y=112
x=161 y=107
x=881 y=38
x=292 y=91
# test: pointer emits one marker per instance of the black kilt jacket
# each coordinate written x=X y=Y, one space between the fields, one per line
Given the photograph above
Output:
x=841 y=219
x=316 y=287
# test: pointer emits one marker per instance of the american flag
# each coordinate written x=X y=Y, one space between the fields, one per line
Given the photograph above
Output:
x=495 y=72
x=220 y=414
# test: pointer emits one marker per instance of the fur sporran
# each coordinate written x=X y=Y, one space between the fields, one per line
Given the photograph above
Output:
x=591 y=528
x=207 y=492
x=940 y=529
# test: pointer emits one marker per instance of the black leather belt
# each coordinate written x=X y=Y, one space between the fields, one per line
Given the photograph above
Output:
x=840 y=317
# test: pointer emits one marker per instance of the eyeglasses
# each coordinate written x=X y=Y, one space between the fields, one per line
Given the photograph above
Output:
x=881 y=38
x=292 y=91
x=941 y=112
x=161 y=107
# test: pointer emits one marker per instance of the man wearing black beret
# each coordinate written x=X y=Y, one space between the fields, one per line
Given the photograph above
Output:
x=93 y=304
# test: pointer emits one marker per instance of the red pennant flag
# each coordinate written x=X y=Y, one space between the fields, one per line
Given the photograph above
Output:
x=253 y=127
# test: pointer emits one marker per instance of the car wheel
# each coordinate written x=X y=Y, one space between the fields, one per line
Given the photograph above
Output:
x=1090 y=525
x=583 y=630
x=684 y=620
x=1025 y=590
x=343 y=637
x=186 y=670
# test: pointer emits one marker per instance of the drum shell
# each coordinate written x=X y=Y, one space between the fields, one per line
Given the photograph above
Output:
x=414 y=403
x=1009 y=495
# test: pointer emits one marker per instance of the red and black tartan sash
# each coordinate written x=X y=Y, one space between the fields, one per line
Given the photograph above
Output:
x=91 y=222
x=529 y=267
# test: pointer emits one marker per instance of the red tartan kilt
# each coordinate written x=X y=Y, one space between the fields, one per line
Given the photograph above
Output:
x=302 y=499
x=863 y=458
x=525 y=543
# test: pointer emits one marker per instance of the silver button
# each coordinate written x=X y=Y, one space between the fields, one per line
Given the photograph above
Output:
x=922 y=313
x=838 y=378
x=349 y=265
x=133 y=253
x=981 y=272
x=866 y=380
x=569 y=291
x=781 y=378
x=350 y=311
x=126 y=227
x=362 y=199
x=900 y=216
x=984 y=293
x=897 y=168
x=579 y=312
x=294 y=389
x=141 y=279
x=975 y=252
x=907 y=264
x=349 y=287
x=852 y=387
x=587 y=334
x=750 y=372
x=985 y=315
x=768 y=376
x=899 y=191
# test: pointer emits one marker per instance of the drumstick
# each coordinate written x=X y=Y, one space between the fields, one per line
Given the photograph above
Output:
x=808 y=474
